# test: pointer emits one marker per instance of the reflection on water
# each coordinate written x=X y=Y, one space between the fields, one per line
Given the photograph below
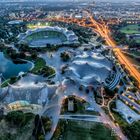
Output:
x=8 y=68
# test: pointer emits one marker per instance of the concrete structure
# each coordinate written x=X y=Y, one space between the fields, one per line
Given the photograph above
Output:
x=70 y=105
x=15 y=22
x=24 y=106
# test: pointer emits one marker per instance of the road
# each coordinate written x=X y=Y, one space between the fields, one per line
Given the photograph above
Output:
x=90 y=118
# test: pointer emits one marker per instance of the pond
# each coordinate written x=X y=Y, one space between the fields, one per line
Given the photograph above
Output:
x=9 y=68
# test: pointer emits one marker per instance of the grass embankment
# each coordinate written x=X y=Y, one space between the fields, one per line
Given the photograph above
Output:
x=5 y=83
x=11 y=81
x=80 y=130
x=38 y=64
x=41 y=68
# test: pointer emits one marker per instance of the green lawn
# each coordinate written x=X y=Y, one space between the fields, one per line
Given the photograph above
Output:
x=80 y=130
x=41 y=68
x=137 y=53
x=11 y=80
x=138 y=40
x=39 y=64
x=130 y=29
x=5 y=83
x=21 y=130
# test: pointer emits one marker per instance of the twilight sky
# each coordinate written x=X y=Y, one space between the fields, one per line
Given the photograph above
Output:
x=76 y=0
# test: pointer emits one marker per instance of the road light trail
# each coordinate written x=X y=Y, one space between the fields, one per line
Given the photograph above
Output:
x=104 y=32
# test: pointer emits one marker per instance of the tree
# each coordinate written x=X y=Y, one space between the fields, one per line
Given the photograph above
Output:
x=13 y=79
x=65 y=56
x=22 y=55
x=41 y=137
x=109 y=92
x=133 y=44
x=2 y=46
x=15 y=117
x=87 y=90
x=133 y=131
x=81 y=87
x=34 y=55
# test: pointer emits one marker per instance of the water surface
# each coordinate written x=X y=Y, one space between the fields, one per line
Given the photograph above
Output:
x=9 y=69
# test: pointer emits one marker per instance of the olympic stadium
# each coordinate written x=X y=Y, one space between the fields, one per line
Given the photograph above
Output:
x=40 y=37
